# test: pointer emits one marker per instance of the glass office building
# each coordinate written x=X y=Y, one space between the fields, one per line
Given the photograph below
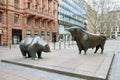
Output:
x=71 y=13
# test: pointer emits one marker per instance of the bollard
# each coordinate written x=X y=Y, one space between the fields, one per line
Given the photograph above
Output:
x=59 y=45
x=54 y=45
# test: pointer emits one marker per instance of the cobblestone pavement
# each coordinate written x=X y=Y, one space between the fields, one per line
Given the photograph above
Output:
x=10 y=72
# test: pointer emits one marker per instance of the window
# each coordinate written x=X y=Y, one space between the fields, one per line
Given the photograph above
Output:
x=118 y=32
x=28 y=21
x=0 y=17
x=42 y=34
x=16 y=17
x=48 y=35
x=42 y=23
x=28 y=33
x=36 y=22
x=113 y=32
x=36 y=7
x=47 y=24
x=16 y=3
x=28 y=5
x=36 y=33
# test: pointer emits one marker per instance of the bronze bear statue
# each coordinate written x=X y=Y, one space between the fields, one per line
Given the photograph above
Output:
x=87 y=40
x=31 y=46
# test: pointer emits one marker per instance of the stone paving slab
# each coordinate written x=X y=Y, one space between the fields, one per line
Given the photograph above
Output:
x=69 y=62
x=10 y=74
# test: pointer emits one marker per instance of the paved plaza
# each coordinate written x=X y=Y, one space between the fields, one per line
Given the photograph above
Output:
x=65 y=60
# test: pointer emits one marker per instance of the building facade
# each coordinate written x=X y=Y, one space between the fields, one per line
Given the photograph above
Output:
x=91 y=19
x=22 y=18
x=115 y=33
x=70 y=13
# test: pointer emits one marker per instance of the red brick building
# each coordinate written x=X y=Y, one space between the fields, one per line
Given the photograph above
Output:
x=22 y=18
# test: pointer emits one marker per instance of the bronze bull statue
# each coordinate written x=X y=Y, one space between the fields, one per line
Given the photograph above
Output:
x=31 y=46
x=87 y=40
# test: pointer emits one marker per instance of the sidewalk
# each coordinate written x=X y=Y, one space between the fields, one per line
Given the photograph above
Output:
x=68 y=62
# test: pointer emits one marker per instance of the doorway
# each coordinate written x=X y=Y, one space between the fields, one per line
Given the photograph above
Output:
x=16 y=36
x=54 y=37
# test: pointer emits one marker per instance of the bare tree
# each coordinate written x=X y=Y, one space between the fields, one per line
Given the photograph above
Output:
x=104 y=19
x=100 y=17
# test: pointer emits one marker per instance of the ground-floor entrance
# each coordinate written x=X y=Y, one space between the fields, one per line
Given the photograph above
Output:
x=54 y=37
x=16 y=36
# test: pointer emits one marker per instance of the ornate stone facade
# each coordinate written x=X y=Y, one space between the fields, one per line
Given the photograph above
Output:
x=22 y=18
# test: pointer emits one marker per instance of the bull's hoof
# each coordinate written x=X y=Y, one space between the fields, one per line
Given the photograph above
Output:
x=40 y=58
x=28 y=57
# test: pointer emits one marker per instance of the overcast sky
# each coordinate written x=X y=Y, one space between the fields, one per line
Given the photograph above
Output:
x=112 y=3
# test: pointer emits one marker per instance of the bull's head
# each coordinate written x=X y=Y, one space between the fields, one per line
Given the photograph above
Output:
x=75 y=30
x=47 y=48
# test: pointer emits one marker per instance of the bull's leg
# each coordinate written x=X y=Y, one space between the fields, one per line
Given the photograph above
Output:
x=97 y=47
x=79 y=51
x=39 y=55
x=78 y=45
x=85 y=50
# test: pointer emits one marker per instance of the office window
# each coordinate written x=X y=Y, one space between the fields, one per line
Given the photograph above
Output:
x=36 y=22
x=0 y=17
x=28 y=5
x=28 y=21
x=36 y=7
x=42 y=23
x=16 y=17
x=42 y=34
x=28 y=33
x=36 y=33
x=48 y=35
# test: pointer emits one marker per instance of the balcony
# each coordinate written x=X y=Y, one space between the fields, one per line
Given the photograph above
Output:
x=38 y=14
